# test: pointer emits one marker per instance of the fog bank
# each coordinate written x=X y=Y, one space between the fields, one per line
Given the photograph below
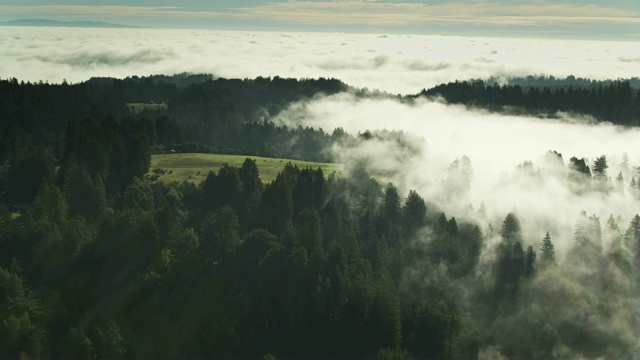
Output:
x=436 y=134
x=393 y=63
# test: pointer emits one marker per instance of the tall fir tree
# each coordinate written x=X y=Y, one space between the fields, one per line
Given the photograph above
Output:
x=547 y=249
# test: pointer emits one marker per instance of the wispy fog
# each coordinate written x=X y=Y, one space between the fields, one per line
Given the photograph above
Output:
x=393 y=63
x=436 y=134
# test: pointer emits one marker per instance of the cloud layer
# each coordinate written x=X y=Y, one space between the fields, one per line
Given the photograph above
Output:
x=436 y=134
x=393 y=63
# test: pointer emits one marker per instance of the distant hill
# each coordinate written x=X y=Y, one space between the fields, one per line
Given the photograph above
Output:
x=42 y=22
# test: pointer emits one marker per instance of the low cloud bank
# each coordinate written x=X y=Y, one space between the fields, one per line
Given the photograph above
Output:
x=402 y=64
x=511 y=168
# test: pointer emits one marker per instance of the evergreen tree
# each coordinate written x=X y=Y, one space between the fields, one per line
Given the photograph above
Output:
x=618 y=255
x=620 y=180
x=600 y=167
x=390 y=217
x=633 y=235
x=510 y=262
x=252 y=188
x=222 y=189
x=414 y=214
x=633 y=188
x=473 y=248
x=308 y=230
x=84 y=196
x=530 y=261
x=26 y=172
x=510 y=230
x=600 y=178
x=276 y=206
x=20 y=318
x=110 y=342
x=547 y=249
x=219 y=234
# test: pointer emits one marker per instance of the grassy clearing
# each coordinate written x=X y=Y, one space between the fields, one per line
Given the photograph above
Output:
x=138 y=107
x=195 y=167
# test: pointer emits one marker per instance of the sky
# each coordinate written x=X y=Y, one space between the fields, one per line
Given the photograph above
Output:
x=613 y=19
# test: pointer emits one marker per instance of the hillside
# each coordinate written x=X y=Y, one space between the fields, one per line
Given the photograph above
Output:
x=195 y=167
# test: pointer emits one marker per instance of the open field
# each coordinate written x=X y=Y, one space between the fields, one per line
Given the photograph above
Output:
x=195 y=167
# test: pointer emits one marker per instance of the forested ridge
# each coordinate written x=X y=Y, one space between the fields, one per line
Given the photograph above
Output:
x=616 y=101
x=98 y=261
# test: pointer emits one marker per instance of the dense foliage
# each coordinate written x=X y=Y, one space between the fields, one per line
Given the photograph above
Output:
x=98 y=262
x=614 y=101
x=303 y=266
x=199 y=113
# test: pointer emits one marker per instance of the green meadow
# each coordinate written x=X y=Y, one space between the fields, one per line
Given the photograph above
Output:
x=195 y=167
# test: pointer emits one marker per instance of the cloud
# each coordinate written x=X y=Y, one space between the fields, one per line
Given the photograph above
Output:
x=393 y=63
x=630 y=59
x=436 y=134
x=485 y=12
x=543 y=17
x=106 y=58
x=102 y=10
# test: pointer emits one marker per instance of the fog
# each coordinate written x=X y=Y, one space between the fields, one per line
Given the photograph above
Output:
x=438 y=134
x=434 y=135
x=393 y=63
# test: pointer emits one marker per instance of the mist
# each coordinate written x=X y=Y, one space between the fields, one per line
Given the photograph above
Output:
x=402 y=64
x=422 y=145
x=435 y=134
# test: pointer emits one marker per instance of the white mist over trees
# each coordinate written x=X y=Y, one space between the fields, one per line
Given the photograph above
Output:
x=531 y=179
x=549 y=171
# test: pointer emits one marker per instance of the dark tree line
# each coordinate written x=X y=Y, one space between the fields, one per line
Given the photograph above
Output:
x=199 y=109
x=105 y=154
x=555 y=82
x=615 y=101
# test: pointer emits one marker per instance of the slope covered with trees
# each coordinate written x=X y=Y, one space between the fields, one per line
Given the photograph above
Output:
x=305 y=266
x=614 y=101
x=97 y=261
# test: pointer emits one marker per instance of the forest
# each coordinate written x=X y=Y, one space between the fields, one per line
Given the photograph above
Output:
x=97 y=260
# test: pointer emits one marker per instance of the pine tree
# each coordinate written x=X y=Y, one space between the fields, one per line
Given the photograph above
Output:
x=633 y=187
x=612 y=227
x=530 y=262
x=413 y=213
x=510 y=262
x=547 y=249
x=390 y=216
x=600 y=167
x=600 y=178
x=620 y=180
x=510 y=230
x=633 y=235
